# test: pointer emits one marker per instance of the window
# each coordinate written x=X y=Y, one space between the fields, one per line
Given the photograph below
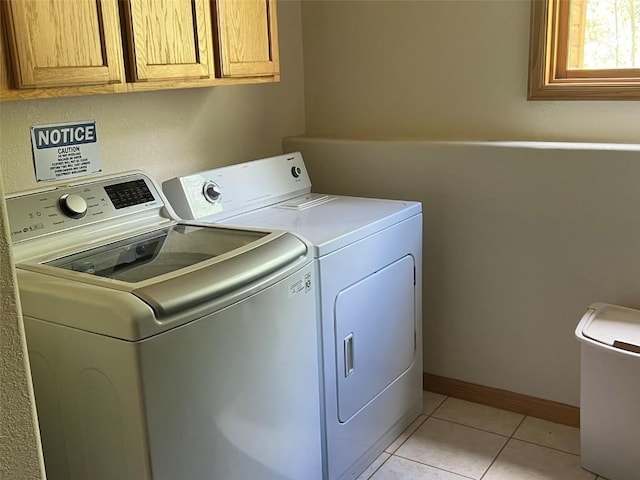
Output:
x=584 y=50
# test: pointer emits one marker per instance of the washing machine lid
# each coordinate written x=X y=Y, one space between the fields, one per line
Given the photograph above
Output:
x=173 y=269
x=329 y=222
x=612 y=325
x=159 y=252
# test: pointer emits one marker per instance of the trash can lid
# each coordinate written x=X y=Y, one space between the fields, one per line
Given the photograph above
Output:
x=613 y=325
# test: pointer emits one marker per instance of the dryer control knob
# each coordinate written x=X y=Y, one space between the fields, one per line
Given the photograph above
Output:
x=73 y=205
x=211 y=192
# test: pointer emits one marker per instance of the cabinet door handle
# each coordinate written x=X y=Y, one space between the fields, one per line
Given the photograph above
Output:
x=348 y=355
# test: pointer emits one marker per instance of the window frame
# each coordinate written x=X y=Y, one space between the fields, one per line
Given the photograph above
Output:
x=547 y=81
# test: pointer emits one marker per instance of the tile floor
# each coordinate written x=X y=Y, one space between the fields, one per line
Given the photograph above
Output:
x=457 y=440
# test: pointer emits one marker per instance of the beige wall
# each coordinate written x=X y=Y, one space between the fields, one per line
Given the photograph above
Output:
x=165 y=133
x=518 y=240
x=437 y=70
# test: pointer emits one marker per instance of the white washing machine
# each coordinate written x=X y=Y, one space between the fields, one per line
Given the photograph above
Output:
x=369 y=259
x=165 y=350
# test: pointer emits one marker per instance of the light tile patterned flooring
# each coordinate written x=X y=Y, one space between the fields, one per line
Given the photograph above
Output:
x=457 y=440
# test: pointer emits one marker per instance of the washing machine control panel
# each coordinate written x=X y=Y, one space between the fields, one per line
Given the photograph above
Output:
x=70 y=206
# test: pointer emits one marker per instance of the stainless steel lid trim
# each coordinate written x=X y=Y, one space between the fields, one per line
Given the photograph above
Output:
x=191 y=289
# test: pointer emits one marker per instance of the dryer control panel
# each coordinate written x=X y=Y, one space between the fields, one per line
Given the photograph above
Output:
x=33 y=214
x=214 y=195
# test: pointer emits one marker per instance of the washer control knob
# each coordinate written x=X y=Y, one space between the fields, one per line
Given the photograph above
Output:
x=296 y=171
x=73 y=205
x=211 y=192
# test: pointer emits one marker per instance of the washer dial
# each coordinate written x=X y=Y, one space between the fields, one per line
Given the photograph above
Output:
x=73 y=205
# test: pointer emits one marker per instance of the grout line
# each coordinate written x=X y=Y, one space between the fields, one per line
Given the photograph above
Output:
x=495 y=458
x=409 y=435
x=474 y=428
x=446 y=397
x=539 y=444
x=379 y=466
x=519 y=425
x=433 y=466
x=546 y=446
x=524 y=417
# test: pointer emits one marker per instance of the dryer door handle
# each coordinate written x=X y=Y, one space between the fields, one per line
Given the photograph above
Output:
x=348 y=355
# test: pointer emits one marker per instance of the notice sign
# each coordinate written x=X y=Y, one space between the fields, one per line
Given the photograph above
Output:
x=65 y=150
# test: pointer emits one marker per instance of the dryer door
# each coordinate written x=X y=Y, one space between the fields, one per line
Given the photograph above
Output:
x=375 y=334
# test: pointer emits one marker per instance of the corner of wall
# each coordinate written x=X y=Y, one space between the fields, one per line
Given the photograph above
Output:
x=20 y=447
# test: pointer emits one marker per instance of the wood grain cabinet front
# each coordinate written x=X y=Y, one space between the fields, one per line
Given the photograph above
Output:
x=81 y=47
x=169 y=39
x=64 y=43
x=247 y=33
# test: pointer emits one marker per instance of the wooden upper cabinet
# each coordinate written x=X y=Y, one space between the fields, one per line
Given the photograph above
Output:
x=247 y=34
x=169 y=39
x=51 y=48
x=59 y=43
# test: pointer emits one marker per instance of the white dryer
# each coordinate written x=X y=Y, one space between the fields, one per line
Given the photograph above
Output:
x=369 y=260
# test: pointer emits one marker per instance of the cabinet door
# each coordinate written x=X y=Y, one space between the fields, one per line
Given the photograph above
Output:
x=56 y=43
x=170 y=39
x=247 y=37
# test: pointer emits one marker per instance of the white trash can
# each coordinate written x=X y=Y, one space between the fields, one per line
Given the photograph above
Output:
x=610 y=391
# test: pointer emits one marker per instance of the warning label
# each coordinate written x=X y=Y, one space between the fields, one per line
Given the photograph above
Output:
x=65 y=150
x=301 y=286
